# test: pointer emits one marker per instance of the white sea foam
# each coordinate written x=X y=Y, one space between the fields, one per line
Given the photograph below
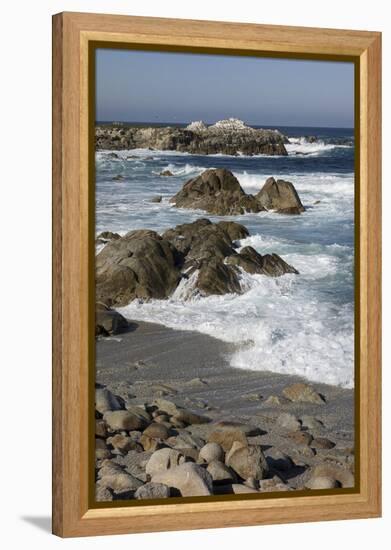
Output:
x=180 y=170
x=276 y=324
x=300 y=146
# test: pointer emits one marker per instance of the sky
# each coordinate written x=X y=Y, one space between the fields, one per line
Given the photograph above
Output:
x=141 y=86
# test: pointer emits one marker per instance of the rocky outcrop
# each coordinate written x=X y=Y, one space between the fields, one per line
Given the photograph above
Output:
x=281 y=196
x=139 y=265
x=219 y=192
x=229 y=137
x=252 y=262
x=198 y=258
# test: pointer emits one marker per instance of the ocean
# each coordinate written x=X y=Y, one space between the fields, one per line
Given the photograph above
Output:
x=295 y=324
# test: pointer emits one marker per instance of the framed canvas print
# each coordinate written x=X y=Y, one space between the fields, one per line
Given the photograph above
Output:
x=216 y=352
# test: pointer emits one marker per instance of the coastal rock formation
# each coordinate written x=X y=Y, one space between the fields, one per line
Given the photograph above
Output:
x=139 y=265
x=198 y=258
x=252 y=262
x=281 y=196
x=217 y=192
x=229 y=137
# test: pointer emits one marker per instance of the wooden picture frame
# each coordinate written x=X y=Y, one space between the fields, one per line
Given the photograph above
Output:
x=73 y=34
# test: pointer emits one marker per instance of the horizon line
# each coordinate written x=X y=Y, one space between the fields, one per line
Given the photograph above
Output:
x=175 y=123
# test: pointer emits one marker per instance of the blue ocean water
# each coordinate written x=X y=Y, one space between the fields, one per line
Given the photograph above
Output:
x=294 y=324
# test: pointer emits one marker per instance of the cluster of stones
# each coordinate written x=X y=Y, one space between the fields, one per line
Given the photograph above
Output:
x=159 y=450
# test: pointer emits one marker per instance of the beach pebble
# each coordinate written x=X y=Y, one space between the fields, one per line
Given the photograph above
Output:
x=247 y=461
x=252 y=483
x=139 y=411
x=107 y=401
x=289 y=422
x=188 y=417
x=300 y=438
x=239 y=489
x=275 y=400
x=163 y=419
x=211 y=451
x=185 y=439
x=100 y=428
x=190 y=453
x=134 y=463
x=166 y=406
x=101 y=449
x=321 y=482
x=152 y=490
x=343 y=475
x=150 y=444
x=322 y=443
x=156 y=430
x=220 y=472
x=311 y=423
x=124 y=420
x=111 y=475
x=303 y=393
x=163 y=459
x=176 y=423
x=103 y=494
x=123 y=443
x=189 y=479
x=273 y=484
x=226 y=437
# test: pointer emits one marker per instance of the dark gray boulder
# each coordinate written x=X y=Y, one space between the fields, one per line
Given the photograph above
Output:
x=216 y=191
x=139 y=265
x=253 y=262
x=280 y=195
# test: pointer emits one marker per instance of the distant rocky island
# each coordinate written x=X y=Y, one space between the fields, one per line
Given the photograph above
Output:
x=229 y=137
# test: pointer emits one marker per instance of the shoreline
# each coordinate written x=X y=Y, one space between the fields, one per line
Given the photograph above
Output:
x=154 y=354
x=151 y=369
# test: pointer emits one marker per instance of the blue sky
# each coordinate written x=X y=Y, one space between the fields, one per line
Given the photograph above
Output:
x=174 y=87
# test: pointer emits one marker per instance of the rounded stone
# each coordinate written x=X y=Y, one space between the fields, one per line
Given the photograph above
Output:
x=211 y=451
